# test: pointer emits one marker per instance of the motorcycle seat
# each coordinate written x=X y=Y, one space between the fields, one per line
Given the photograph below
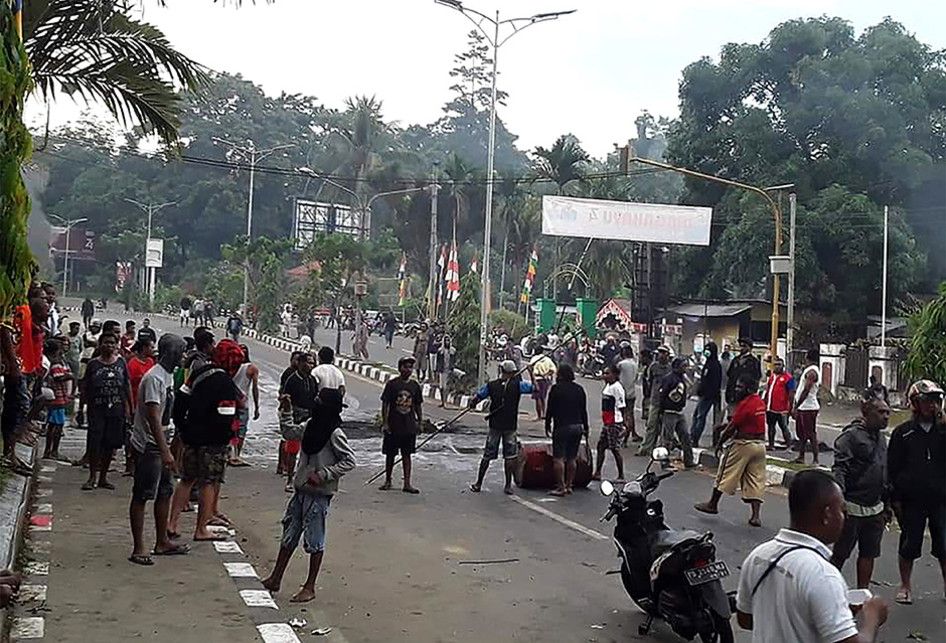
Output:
x=673 y=538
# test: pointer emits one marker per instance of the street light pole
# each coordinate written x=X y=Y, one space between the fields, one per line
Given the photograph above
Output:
x=254 y=155
x=517 y=25
x=151 y=209
x=69 y=223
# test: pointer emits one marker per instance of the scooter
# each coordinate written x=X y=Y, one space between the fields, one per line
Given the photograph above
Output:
x=671 y=575
x=593 y=366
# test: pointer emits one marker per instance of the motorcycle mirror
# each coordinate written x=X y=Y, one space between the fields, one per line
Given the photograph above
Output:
x=606 y=488
x=660 y=453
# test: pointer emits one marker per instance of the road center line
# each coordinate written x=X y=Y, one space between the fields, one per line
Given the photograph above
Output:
x=571 y=524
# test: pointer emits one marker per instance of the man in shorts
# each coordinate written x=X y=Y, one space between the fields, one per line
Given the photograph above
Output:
x=206 y=416
x=155 y=462
x=860 y=469
x=613 y=407
x=401 y=415
x=542 y=369
x=503 y=394
x=743 y=462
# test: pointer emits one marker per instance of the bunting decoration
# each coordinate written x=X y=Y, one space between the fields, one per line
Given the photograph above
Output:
x=530 y=276
x=441 y=265
x=402 y=280
x=453 y=274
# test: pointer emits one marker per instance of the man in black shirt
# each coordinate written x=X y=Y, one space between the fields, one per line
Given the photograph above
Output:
x=673 y=399
x=503 y=394
x=568 y=409
x=745 y=363
x=401 y=416
x=147 y=331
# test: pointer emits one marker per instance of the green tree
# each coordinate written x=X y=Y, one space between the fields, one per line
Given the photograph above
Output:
x=464 y=327
x=927 y=356
x=562 y=163
x=264 y=259
x=854 y=122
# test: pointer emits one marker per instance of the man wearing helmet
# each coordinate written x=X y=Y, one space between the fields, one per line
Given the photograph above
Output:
x=916 y=472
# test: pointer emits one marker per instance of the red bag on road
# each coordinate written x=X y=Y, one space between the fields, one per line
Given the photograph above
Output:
x=536 y=471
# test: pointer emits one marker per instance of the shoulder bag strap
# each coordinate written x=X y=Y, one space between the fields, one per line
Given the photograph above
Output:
x=768 y=570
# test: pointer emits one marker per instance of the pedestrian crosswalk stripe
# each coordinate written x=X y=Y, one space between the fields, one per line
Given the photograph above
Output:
x=277 y=633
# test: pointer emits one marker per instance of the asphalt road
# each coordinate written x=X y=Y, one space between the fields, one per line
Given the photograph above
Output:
x=395 y=564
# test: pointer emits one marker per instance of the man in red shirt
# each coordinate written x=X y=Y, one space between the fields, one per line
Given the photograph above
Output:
x=743 y=462
x=779 y=391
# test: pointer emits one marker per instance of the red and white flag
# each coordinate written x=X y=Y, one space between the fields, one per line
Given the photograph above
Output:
x=475 y=265
x=441 y=265
x=453 y=274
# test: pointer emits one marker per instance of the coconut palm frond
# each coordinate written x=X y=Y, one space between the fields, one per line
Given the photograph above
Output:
x=94 y=51
x=562 y=163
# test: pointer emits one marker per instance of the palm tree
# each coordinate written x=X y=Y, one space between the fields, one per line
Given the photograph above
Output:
x=95 y=50
x=562 y=163
x=459 y=174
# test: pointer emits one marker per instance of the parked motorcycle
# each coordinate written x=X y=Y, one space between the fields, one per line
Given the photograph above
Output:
x=592 y=365
x=672 y=575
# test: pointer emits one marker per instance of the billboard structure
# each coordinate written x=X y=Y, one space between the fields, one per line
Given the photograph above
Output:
x=649 y=222
x=81 y=243
x=313 y=217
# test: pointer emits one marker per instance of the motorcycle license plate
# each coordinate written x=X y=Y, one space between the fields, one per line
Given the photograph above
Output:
x=707 y=573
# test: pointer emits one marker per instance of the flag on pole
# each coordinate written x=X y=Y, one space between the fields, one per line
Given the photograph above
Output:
x=453 y=274
x=402 y=280
x=530 y=276
x=18 y=17
x=441 y=265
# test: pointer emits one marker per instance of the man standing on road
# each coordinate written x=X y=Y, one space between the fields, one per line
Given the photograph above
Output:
x=743 y=462
x=708 y=390
x=673 y=399
x=627 y=368
x=390 y=325
x=246 y=379
x=88 y=311
x=610 y=351
x=916 y=471
x=542 y=370
x=568 y=413
x=326 y=374
x=401 y=415
x=646 y=359
x=503 y=394
x=860 y=468
x=655 y=374
x=807 y=407
x=234 y=327
x=779 y=391
x=147 y=331
x=302 y=390
x=420 y=351
x=155 y=461
x=185 y=311
x=788 y=589
x=445 y=359
x=326 y=457
x=613 y=408
x=128 y=339
x=745 y=363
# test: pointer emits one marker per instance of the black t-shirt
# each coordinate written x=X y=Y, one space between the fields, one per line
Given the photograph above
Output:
x=302 y=389
x=106 y=386
x=401 y=397
x=147 y=331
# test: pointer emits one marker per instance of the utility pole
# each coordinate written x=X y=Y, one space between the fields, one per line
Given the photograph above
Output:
x=69 y=223
x=883 y=303
x=150 y=273
x=253 y=155
x=432 y=283
x=790 y=325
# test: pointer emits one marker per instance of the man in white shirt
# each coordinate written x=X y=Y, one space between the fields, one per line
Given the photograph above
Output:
x=805 y=410
x=788 y=588
x=627 y=368
x=326 y=374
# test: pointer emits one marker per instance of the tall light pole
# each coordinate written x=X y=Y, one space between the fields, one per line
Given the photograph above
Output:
x=151 y=209
x=790 y=318
x=493 y=38
x=68 y=223
x=253 y=155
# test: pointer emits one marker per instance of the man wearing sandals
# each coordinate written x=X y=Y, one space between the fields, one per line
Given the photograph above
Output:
x=401 y=416
x=155 y=462
x=916 y=471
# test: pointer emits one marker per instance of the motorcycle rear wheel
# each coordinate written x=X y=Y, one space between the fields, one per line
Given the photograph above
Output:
x=722 y=631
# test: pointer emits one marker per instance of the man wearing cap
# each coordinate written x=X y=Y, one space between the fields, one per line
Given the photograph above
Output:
x=673 y=399
x=401 y=415
x=658 y=370
x=745 y=363
x=503 y=394
x=916 y=473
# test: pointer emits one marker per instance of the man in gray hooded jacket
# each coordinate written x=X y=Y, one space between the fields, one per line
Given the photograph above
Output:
x=325 y=457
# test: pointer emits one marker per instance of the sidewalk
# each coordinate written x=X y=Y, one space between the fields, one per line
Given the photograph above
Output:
x=77 y=577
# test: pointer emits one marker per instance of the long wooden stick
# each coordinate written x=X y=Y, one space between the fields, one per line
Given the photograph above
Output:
x=453 y=420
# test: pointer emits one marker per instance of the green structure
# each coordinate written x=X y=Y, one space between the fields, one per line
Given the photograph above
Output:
x=545 y=318
x=587 y=314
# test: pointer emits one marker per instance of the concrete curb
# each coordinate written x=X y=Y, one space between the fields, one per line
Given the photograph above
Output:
x=14 y=502
x=380 y=373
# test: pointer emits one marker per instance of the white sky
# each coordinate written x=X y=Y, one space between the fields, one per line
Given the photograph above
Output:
x=589 y=73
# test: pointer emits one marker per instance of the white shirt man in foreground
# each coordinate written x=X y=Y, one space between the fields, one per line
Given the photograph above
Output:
x=788 y=588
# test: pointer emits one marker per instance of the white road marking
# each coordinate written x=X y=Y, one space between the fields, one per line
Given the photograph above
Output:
x=43 y=508
x=37 y=569
x=277 y=633
x=240 y=570
x=258 y=598
x=45 y=479
x=48 y=468
x=571 y=524
x=32 y=593
x=44 y=493
x=227 y=547
x=30 y=627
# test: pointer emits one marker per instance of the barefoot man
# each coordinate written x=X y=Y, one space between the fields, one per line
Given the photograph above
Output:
x=325 y=458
